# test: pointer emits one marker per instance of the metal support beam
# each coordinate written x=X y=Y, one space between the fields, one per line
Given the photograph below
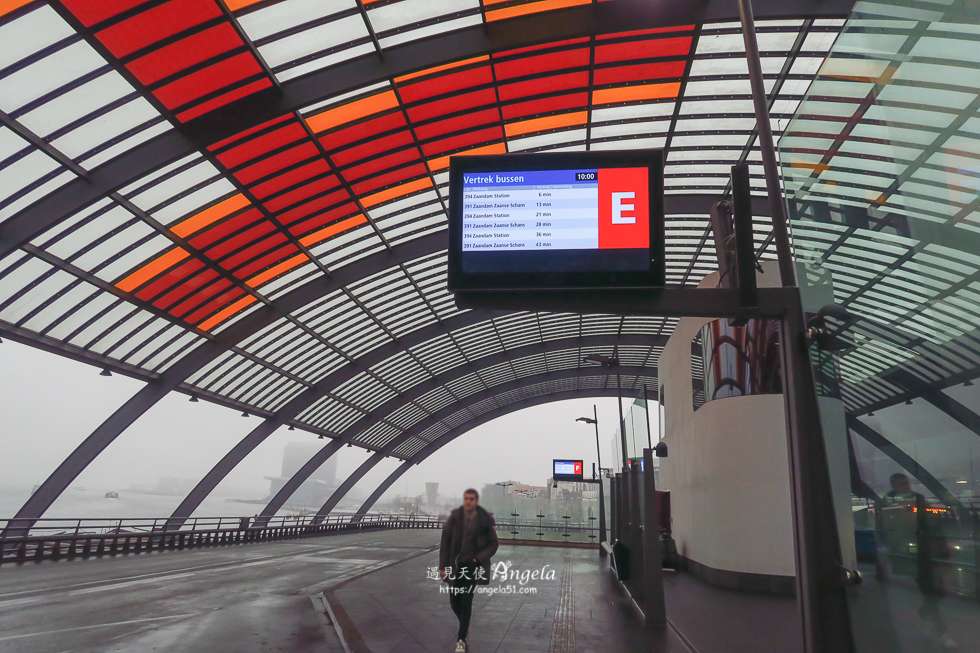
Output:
x=306 y=399
x=514 y=354
x=905 y=461
x=654 y=605
x=954 y=409
x=668 y=302
x=454 y=433
x=777 y=208
x=634 y=489
x=298 y=479
x=351 y=432
x=180 y=371
x=101 y=438
x=224 y=466
x=820 y=573
x=381 y=489
x=346 y=486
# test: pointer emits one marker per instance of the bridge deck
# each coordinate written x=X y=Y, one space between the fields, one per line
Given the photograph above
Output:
x=258 y=598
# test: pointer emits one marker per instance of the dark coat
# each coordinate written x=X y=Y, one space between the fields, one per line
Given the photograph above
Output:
x=452 y=541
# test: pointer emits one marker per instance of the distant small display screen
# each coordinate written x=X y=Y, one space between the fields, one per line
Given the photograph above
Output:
x=542 y=220
x=567 y=470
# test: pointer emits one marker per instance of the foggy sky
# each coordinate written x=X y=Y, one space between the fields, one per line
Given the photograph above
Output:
x=49 y=404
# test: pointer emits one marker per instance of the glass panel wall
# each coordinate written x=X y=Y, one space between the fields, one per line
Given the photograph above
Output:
x=881 y=169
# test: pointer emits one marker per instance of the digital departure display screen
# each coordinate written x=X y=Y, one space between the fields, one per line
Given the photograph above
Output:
x=556 y=220
x=567 y=470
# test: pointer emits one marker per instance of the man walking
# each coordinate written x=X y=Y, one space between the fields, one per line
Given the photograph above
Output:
x=469 y=540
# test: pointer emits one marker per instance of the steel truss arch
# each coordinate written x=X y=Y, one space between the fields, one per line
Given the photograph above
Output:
x=285 y=415
x=454 y=433
x=475 y=421
x=388 y=449
x=175 y=377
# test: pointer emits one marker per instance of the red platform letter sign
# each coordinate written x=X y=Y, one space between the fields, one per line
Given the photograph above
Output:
x=624 y=208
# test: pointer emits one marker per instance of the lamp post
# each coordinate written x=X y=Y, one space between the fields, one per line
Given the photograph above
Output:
x=503 y=492
x=602 y=502
x=612 y=361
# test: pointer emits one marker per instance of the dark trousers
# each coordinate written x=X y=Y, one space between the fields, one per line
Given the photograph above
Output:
x=461 y=601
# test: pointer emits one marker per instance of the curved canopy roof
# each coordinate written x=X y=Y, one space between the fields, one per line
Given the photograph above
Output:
x=246 y=200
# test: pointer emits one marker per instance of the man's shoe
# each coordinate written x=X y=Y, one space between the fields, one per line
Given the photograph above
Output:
x=460 y=646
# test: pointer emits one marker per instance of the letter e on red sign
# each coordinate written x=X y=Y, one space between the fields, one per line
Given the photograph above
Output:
x=624 y=208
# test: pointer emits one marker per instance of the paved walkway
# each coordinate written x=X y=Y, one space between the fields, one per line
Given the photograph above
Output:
x=277 y=597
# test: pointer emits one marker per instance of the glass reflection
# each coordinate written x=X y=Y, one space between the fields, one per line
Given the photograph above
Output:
x=735 y=361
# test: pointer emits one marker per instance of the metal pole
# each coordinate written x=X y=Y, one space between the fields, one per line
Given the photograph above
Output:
x=646 y=406
x=819 y=569
x=602 y=500
x=613 y=503
x=777 y=209
x=654 y=604
x=622 y=421
x=820 y=573
x=637 y=570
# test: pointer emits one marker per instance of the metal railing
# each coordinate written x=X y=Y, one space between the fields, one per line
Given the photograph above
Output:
x=55 y=539
x=549 y=530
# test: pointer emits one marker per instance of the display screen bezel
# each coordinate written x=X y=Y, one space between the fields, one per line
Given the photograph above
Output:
x=652 y=277
x=567 y=477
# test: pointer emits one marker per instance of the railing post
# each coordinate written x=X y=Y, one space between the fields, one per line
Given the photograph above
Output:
x=654 y=606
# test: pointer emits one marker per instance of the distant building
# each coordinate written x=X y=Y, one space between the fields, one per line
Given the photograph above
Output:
x=315 y=490
x=431 y=495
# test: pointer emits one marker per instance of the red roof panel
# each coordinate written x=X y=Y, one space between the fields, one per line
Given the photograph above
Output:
x=187 y=52
x=465 y=121
x=155 y=24
x=545 y=105
x=364 y=130
x=467 y=138
x=446 y=84
x=456 y=103
x=542 y=63
x=269 y=165
x=291 y=178
x=373 y=148
x=672 y=47
x=544 y=85
x=262 y=144
x=638 y=72
x=378 y=164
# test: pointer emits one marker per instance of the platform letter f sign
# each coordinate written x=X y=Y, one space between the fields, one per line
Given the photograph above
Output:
x=618 y=207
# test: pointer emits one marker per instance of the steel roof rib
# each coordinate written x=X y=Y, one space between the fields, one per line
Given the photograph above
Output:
x=463 y=428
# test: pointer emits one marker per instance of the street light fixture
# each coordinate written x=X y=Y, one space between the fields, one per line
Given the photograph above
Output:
x=613 y=361
x=602 y=502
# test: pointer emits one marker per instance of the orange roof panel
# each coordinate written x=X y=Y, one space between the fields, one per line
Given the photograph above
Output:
x=397 y=191
x=6 y=6
x=634 y=93
x=352 y=111
x=442 y=162
x=333 y=230
x=448 y=66
x=548 y=122
x=152 y=269
x=530 y=8
x=210 y=215
x=223 y=315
